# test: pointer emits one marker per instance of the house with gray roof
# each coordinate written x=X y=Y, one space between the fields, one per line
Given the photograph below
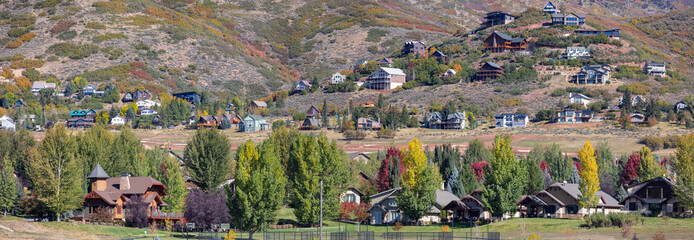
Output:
x=654 y=69
x=6 y=123
x=38 y=85
x=561 y=200
x=499 y=42
x=436 y=120
x=569 y=19
x=592 y=74
x=386 y=78
x=654 y=197
x=254 y=123
x=385 y=210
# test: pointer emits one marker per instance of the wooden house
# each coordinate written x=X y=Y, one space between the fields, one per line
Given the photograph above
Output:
x=313 y=112
x=498 y=18
x=310 y=124
x=191 y=97
x=580 y=99
x=352 y=195
x=415 y=47
x=385 y=62
x=359 y=156
x=386 y=210
x=302 y=85
x=257 y=104
x=337 y=78
x=208 y=121
x=500 y=42
x=637 y=118
x=365 y=124
x=81 y=119
x=654 y=197
x=489 y=70
x=254 y=123
x=439 y=56
x=456 y=120
x=561 y=200
x=654 y=69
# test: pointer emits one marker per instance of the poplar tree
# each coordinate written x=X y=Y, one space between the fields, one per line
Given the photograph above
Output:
x=394 y=159
x=8 y=186
x=590 y=184
x=324 y=113
x=207 y=157
x=95 y=146
x=259 y=188
x=170 y=174
x=683 y=166
x=126 y=152
x=559 y=165
x=56 y=172
x=504 y=181
x=535 y=181
x=418 y=193
x=649 y=168
x=476 y=152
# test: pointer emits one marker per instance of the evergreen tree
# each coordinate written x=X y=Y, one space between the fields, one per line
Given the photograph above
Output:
x=8 y=186
x=418 y=192
x=559 y=164
x=607 y=170
x=621 y=193
x=683 y=166
x=466 y=181
x=476 y=152
x=207 y=157
x=130 y=114
x=590 y=184
x=503 y=179
x=381 y=102
x=259 y=188
x=447 y=158
x=626 y=102
x=324 y=114
x=225 y=124
x=382 y=179
x=56 y=172
x=535 y=180
x=575 y=178
x=649 y=168
x=452 y=181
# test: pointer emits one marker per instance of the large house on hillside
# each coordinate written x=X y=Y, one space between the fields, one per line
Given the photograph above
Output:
x=137 y=95
x=577 y=53
x=386 y=78
x=337 y=78
x=365 y=124
x=654 y=197
x=81 y=119
x=550 y=8
x=489 y=70
x=191 y=97
x=498 y=18
x=501 y=42
x=654 y=69
x=254 y=123
x=580 y=99
x=592 y=74
x=511 y=120
x=112 y=194
x=614 y=33
x=569 y=19
x=561 y=200
x=416 y=47
x=574 y=116
x=456 y=120
x=39 y=85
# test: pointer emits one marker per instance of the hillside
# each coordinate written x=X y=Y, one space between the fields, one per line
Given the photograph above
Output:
x=251 y=48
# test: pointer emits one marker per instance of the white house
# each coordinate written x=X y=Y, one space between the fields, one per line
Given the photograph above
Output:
x=352 y=195
x=6 y=123
x=577 y=53
x=449 y=72
x=148 y=103
x=579 y=99
x=118 y=120
x=654 y=69
x=147 y=112
x=38 y=85
x=386 y=78
x=511 y=120
x=337 y=78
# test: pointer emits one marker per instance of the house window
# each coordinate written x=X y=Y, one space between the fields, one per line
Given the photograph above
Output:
x=655 y=192
x=395 y=216
x=571 y=209
x=351 y=198
x=392 y=203
x=378 y=219
x=632 y=206
x=119 y=209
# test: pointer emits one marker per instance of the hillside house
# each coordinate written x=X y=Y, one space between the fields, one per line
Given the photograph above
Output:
x=550 y=8
x=310 y=124
x=577 y=53
x=384 y=208
x=385 y=62
x=574 y=116
x=679 y=106
x=614 y=33
x=561 y=200
x=91 y=90
x=209 y=121
x=6 y=123
x=18 y=104
x=569 y=19
x=39 y=85
x=439 y=56
x=580 y=99
x=635 y=100
x=386 y=78
x=654 y=197
x=81 y=119
x=337 y=78
x=637 y=118
x=654 y=69
x=233 y=118
x=352 y=195
x=365 y=124
x=147 y=103
x=415 y=47
x=313 y=112
x=489 y=70
x=500 y=42
x=449 y=73
x=456 y=121
x=113 y=193
x=302 y=85
x=511 y=120
x=359 y=156
x=191 y=97
x=118 y=120
x=147 y=112
x=592 y=74
x=138 y=95
x=498 y=18
x=254 y=123
x=257 y=104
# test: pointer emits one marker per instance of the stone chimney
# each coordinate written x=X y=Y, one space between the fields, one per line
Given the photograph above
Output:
x=125 y=182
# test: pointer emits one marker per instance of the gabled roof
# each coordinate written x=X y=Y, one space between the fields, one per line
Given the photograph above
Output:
x=574 y=191
x=438 y=53
x=259 y=103
x=458 y=115
x=43 y=84
x=581 y=96
x=393 y=71
x=386 y=60
x=655 y=64
x=97 y=173
x=312 y=121
x=443 y=198
x=379 y=197
x=503 y=35
x=493 y=65
x=636 y=187
x=550 y=4
x=256 y=117
x=138 y=185
x=352 y=155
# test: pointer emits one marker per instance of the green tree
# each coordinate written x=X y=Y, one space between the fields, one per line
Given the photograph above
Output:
x=259 y=189
x=56 y=172
x=324 y=113
x=590 y=184
x=310 y=160
x=126 y=155
x=535 y=181
x=8 y=187
x=466 y=181
x=683 y=166
x=95 y=146
x=649 y=167
x=476 y=152
x=167 y=170
x=419 y=184
x=504 y=179
x=207 y=157
x=559 y=165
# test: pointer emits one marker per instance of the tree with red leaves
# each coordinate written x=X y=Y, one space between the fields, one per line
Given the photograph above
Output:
x=544 y=167
x=631 y=169
x=478 y=169
x=578 y=166
x=382 y=179
x=354 y=211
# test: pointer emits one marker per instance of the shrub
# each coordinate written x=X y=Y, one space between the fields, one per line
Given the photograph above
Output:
x=652 y=142
x=634 y=88
x=17 y=32
x=375 y=35
x=67 y=35
x=95 y=25
x=385 y=133
x=397 y=226
x=28 y=36
x=14 y=44
x=354 y=135
x=73 y=51
x=558 y=92
x=62 y=26
x=109 y=36
x=26 y=63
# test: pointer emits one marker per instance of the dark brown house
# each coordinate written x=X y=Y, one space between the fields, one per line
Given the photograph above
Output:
x=501 y=42
x=310 y=124
x=654 y=197
x=489 y=70
x=313 y=112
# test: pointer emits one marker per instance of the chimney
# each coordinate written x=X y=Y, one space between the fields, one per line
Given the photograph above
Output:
x=125 y=182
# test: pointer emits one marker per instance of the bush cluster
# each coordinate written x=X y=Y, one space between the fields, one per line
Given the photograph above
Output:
x=73 y=51
x=656 y=143
x=599 y=220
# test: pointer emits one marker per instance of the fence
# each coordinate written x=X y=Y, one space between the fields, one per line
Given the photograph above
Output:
x=381 y=236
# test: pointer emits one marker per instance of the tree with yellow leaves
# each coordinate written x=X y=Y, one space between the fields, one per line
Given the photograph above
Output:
x=590 y=184
x=419 y=186
x=649 y=168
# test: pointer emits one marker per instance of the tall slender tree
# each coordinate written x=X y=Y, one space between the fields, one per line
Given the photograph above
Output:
x=683 y=167
x=607 y=170
x=504 y=179
x=476 y=152
x=382 y=179
x=324 y=113
x=56 y=172
x=8 y=186
x=259 y=188
x=649 y=168
x=560 y=166
x=394 y=158
x=466 y=181
x=207 y=157
x=95 y=146
x=170 y=174
x=590 y=184
x=418 y=192
x=535 y=181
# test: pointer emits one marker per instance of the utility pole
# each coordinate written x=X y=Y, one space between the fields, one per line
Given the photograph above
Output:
x=320 y=226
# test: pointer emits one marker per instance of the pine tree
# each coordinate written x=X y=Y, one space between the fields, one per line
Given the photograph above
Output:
x=324 y=114
x=418 y=192
x=260 y=185
x=476 y=152
x=649 y=168
x=394 y=158
x=8 y=186
x=207 y=157
x=575 y=177
x=559 y=165
x=535 y=180
x=225 y=124
x=467 y=181
x=621 y=193
x=56 y=172
x=504 y=181
x=590 y=184
x=683 y=166
x=130 y=114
